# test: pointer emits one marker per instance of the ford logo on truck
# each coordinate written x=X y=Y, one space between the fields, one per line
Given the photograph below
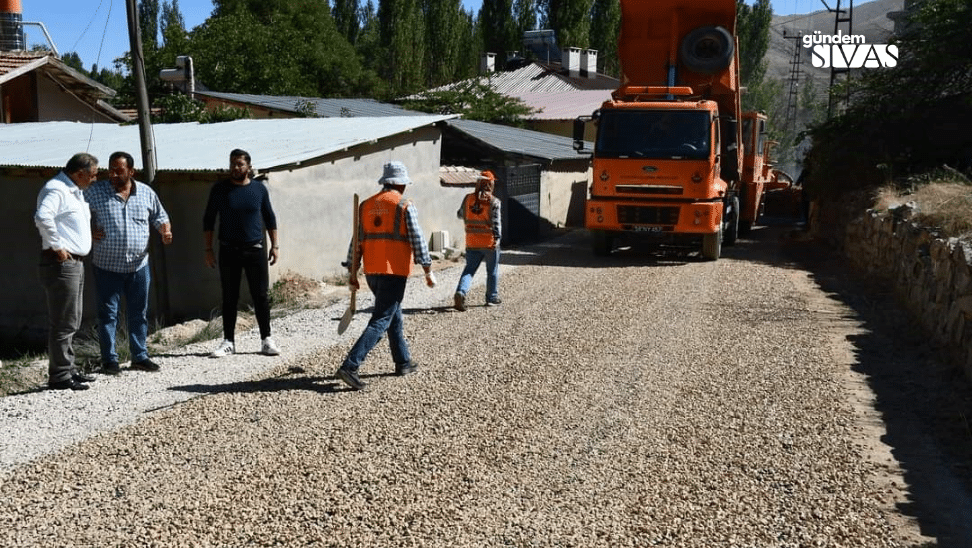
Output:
x=649 y=169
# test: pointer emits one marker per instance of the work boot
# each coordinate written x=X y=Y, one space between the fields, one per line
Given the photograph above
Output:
x=350 y=378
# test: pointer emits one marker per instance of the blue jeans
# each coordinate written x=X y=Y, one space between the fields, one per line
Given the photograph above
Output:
x=135 y=287
x=387 y=316
x=473 y=259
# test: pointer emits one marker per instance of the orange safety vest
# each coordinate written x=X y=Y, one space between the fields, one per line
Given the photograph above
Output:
x=479 y=226
x=384 y=234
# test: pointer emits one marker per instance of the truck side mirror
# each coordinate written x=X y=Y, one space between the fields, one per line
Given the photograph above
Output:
x=580 y=125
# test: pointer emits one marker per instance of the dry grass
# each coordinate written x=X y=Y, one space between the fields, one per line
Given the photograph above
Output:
x=22 y=374
x=943 y=201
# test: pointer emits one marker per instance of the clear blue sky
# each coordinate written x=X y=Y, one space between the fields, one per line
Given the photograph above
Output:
x=98 y=29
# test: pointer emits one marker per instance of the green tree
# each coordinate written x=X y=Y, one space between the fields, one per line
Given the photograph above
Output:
x=73 y=60
x=370 y=54
x=570 y=19
x=499 y=28
x=443 y=40
x=346 y=18
x=474 y=99
x=402 y=34
x=811 y=109
x=274 y=47
x=114 y=79
x=752 y=31
x=469 y=33
x=148 y=22
x=605 y=27
x=524 y=19
x=172 y=22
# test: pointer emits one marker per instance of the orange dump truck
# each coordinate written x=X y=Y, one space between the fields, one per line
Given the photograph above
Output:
x=758 y=176
x=668 y=156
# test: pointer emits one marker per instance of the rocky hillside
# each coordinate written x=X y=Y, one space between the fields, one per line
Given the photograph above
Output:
x=869 y=19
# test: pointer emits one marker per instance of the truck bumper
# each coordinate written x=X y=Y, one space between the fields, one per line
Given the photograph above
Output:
x=660 y=218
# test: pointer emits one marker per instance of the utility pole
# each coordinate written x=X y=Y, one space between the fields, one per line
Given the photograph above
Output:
x=148 y=152
x=141 y=94
x=794 y=92
x=836 y=73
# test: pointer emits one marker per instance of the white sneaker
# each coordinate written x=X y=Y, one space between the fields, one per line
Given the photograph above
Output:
x=225 y=348
x=269 y=348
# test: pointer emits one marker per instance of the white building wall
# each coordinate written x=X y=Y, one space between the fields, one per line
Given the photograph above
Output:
x=312 y=203
x=562 y=196
x=56 y=104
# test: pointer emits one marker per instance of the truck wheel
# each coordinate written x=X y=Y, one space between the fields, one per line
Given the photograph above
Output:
x=732 y=226
x=707 y=49
x=712 y=246
x=602 y=242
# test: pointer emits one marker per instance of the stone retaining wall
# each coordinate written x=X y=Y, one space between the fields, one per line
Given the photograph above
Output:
x=931 y=275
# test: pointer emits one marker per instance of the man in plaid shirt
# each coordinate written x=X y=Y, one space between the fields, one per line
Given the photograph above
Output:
x=122 y=212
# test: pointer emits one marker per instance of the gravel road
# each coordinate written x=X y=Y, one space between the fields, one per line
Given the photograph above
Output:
x=634 y=401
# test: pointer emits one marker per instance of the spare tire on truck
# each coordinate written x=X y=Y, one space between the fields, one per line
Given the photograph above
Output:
x=707 y=49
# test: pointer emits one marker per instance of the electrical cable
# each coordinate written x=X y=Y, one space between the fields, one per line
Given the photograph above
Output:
x=88 y=26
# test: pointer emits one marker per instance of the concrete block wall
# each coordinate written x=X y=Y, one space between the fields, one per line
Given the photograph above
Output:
x=931 y=274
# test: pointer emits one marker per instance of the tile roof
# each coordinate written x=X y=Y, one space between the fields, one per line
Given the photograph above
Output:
x=17 y=63
x=273 y=144
x=458 y=176
x=13 y=60
x=14 y=64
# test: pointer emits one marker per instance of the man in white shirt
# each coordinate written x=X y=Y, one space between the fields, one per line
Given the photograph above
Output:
x=63 y=219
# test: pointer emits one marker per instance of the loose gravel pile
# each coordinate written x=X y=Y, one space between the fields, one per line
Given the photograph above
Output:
x=626 y=402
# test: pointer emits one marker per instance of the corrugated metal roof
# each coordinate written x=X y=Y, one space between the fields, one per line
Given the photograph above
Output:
x=537 y=144
x=330 y=108
x=202 y=147
x=537 y=77
x=563 y=105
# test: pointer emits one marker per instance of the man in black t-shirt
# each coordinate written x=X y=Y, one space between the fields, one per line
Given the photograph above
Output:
x=243 y=207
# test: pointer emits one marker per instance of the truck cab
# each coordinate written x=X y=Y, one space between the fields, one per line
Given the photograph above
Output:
x=667 y=158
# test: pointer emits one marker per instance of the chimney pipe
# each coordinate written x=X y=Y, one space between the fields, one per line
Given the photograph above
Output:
x=588 y=63
x=571 y=61
x=487 y=63
x=11 y=26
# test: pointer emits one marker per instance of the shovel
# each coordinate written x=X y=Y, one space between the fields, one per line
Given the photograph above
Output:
x=349 y=313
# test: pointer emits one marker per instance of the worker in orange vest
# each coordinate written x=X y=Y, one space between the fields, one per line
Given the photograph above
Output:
x=480 y=213
x=389 y=241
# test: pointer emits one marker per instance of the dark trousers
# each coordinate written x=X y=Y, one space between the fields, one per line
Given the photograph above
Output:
x=64 y=286
x=233 y=262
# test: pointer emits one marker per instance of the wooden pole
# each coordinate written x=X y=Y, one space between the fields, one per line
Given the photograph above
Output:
x=148 y=153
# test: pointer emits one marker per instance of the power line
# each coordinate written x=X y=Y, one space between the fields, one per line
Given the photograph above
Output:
x=835 y=72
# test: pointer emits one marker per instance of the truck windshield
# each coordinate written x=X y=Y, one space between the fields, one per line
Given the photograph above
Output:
x=673 y=134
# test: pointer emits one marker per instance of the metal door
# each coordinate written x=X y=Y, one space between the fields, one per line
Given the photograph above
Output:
x=518 y=188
